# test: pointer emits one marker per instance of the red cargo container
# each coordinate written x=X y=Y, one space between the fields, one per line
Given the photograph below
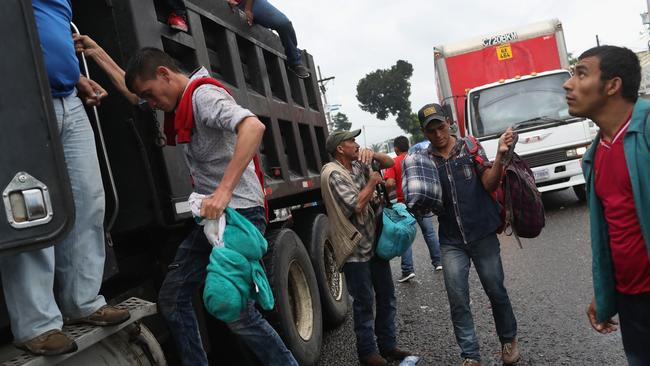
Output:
x=503 y=55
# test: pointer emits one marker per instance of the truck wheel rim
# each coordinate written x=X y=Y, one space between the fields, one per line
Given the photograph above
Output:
x=301 y=301
x=334 y=280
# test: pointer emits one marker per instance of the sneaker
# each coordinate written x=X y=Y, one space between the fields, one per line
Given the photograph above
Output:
x=395 y=354
x=470 y=362
x=373 y=360
x=438 y=267
x=510 y=352
x=300 y=71
x=406 y=277
x=177 y=22
x=50 y=343
x=106 y=315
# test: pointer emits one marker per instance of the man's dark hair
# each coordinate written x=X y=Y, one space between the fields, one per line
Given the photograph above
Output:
x=401 y=143
x=144 y=63
x=618 y=62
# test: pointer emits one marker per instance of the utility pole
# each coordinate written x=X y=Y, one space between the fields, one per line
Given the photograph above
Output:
x=365 y=142
x=322 y=83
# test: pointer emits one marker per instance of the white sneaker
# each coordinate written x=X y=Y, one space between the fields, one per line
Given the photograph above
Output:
x=406 y=277
x=439 y=267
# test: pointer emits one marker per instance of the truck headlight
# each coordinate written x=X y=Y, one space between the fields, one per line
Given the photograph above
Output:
x=576 y=152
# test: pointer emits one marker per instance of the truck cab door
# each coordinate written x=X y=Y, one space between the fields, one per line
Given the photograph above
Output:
x=36 y=208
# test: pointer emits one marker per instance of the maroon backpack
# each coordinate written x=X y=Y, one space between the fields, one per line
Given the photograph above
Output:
x=521 y=202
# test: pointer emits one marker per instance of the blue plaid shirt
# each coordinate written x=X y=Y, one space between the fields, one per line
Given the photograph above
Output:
x=421 y=184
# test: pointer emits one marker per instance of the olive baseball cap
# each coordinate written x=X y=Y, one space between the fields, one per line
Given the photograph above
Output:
x=431 y=112
x=335 y=138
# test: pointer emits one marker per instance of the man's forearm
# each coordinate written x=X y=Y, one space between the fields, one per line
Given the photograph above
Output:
x=115 y=73
x=384 y=160
x=249 y=136
x=364 y=197
x=492 y=177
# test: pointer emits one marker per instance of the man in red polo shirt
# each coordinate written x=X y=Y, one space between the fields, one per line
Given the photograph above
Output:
x=604 y=88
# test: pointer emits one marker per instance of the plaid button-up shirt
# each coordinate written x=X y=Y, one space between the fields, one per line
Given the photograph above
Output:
x=347 y=196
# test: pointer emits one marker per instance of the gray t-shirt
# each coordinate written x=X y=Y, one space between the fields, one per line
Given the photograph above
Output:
x=216 y=116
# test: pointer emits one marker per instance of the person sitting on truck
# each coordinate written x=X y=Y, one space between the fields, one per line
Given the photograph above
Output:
x=348 y=186
x=219 y=140
x=605 y=89
x=467 y=229
x=36 y=312
x=177 y=18
x=393 y=178
x=263 y=13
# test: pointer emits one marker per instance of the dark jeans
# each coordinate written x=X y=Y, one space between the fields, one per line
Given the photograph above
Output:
x=186 y=274
x=634 y=318
x=178 y=7
x=268 y=16
x=431 y=240
x=367 y=282
x=486 y=255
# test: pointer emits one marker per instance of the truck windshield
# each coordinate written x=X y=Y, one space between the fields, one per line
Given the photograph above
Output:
x=540 y=99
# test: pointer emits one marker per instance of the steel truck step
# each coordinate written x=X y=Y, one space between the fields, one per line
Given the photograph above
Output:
x=85 y=336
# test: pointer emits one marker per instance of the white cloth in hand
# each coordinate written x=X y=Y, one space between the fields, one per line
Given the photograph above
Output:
x=213 y=229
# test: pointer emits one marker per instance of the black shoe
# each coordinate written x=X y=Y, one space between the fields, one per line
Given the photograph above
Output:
x=300 y=71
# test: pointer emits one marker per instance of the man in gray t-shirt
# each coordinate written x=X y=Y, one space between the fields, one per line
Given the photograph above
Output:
x=220 y=138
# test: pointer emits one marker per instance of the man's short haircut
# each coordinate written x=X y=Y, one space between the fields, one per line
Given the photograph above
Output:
x=401 y=143
x=618 y=62
x=144 y=63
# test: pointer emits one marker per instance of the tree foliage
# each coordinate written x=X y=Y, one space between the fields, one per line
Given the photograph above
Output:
x=340 y=122
x=386 y=92
x=376 y=147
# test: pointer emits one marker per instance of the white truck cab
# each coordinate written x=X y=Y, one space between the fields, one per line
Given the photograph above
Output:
x=551 y=141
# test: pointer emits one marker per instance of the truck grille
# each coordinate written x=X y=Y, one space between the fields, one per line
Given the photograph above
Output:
x=545 y=158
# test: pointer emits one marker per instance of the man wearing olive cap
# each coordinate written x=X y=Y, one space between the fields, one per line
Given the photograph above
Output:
x=348 y=184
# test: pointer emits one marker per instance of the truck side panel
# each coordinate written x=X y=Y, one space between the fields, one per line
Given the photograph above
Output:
x=153 y=182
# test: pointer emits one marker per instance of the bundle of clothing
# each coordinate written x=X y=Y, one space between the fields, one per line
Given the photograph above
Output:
x=235 y=275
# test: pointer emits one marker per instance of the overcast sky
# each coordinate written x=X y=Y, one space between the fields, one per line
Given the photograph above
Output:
x=350 y=38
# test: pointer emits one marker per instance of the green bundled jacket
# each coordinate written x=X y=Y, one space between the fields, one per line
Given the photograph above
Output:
x=636 y=144
x=234 y=274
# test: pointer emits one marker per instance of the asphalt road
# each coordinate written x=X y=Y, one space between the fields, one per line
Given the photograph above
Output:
x=549 y=283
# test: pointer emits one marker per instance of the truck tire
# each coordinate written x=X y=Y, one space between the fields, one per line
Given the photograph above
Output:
x=331 y=283
x=297 y=315
x=581 y=191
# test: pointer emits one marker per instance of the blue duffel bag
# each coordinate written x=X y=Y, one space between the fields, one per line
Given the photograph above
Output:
x=397 y=233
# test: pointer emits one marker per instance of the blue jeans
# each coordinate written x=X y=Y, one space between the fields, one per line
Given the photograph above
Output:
x=367 y=282
x=268 y=16
x=186 y=274
x=486 y=255
x=78 y=261
x=430 y=238
x=634 y=318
